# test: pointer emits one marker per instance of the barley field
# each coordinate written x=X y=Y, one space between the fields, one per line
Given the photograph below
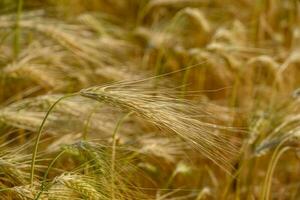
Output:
x=149 y=99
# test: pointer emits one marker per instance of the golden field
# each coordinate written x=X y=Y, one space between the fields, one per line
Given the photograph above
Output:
x=149 y=99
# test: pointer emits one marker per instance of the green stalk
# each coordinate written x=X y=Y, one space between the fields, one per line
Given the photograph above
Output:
x=34 y=153
x=17 y=29
x=86 y=127
x=114 y=144
x=46 y=174
x=271 y=168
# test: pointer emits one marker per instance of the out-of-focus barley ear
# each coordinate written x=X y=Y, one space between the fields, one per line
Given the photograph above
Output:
x=15 y=162
x=205 y=192
x=181 y=168
x=24 y=192
x=198 y=16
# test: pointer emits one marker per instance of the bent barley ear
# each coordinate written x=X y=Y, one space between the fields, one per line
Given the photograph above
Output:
x=184 y=118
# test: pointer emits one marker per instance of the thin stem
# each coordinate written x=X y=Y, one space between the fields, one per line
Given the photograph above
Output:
x=86 y=127
x=272 y=169
x=17 y=29
x=274 y=159
x=46 y=174
x=113 y=156
x=34 y=153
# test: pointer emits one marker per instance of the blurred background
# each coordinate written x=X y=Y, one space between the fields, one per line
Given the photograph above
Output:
x=237 y=61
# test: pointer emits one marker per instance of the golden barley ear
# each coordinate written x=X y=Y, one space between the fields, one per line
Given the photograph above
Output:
x=189 y=121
